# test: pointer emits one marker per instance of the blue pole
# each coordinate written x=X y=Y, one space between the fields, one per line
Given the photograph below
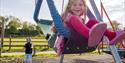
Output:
x=57 y=19
x=95 y=9
x=37 y=9
x=89 y=13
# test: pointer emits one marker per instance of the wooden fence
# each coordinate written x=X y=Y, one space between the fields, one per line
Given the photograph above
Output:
x=19 y=42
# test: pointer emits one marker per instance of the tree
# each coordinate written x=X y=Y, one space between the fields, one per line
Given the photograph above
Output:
x=2 y=22
x=115 y=24
x=28 y=27
x=39 y=29
x=25 y=25
x=32 y=27
x=14 y=25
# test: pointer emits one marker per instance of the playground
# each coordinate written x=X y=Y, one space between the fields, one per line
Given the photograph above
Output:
x=66 y=44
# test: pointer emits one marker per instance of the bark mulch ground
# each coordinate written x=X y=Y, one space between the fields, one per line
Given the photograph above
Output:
x=104 y=58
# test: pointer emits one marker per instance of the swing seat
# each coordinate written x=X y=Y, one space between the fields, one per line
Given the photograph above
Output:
x=45 y=26
x=71 y=45
x=77 y=45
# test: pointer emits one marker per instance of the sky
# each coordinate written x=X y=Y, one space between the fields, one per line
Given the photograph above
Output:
x=24 y=9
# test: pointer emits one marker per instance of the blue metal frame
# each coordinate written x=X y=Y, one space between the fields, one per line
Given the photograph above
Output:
x=37 y=9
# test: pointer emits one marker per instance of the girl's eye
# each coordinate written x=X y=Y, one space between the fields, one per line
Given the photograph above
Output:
x=77 y=4
x=80 y=4
x=74 y=4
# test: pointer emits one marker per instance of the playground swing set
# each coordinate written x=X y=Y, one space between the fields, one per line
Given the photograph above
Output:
x=71 y=46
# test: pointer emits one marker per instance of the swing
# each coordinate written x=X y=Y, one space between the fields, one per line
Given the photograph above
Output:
x=69 y=48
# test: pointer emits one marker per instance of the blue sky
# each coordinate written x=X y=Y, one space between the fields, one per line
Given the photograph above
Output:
x=24 y=9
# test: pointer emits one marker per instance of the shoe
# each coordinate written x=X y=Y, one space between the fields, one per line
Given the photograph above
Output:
x=96 y=33
x=120 y=35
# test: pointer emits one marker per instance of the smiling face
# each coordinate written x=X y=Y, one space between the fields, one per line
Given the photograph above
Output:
x=78 y=7
x=75 y=7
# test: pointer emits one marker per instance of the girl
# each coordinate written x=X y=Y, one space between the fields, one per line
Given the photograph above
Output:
x=72 y=20
x=72 y=17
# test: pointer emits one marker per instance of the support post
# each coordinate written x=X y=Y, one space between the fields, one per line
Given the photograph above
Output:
x=10 y=43
x=114 y=52
x=61 y=59
x=34 y=50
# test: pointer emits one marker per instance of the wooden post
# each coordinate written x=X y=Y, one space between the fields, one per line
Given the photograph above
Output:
x=34 y=50
x=10 y=43
x=2 y=37
x=0 y=50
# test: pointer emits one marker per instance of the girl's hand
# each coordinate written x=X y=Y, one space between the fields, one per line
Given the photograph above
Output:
x=53 y=29
x=68 y=16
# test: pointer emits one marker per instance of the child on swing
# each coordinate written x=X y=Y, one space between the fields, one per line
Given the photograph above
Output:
x=74 y=18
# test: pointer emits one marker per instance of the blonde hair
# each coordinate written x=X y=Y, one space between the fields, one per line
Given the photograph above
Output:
x=67 y=10
x=29 y=39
